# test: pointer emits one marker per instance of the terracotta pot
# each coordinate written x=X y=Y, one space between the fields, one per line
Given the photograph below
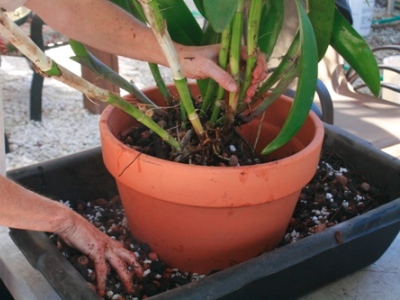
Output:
x=208 y=218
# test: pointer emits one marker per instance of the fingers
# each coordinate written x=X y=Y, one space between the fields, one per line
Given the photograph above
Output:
x=100 y=267
x=223 y=78
x=121 y=268
x=260 y=71
x=101 y=248
x=250 y=92
x=131 y=260
x=120 y=260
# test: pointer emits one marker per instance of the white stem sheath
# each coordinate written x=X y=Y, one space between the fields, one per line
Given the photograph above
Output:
x=44 y=63
x=165 y=43
x=24 y=44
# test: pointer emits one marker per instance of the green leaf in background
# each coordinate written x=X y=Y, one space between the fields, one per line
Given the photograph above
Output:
x=200 y=6
x=355 y=50
x=182 y=25
x=306 y=86
x=123 y=4
x=137 y=10
x=213 y=8
x=271 y=24
x=321 y=16
x=210 y=36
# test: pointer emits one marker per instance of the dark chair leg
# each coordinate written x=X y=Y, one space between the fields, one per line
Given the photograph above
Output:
x=36 y=97
x=4 y=293
x=37 y=80
x=6 y=144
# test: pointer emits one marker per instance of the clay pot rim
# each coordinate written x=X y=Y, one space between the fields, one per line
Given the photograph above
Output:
x=314 y=145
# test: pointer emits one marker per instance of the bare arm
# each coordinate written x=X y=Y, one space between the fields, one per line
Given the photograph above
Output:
x=24 y=209
x=102 y=25
x=105 y=26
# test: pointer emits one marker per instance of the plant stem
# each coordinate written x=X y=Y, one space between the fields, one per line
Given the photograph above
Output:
x=287 y=62
x=120 y=103
x=252 y=43
x=46 y=67
x=209 y=98
x=137 y=11
x=155 y=71
x=223 y=62
x=156 y=21
x=280 y=88
x=84 y=57
x=234 y=60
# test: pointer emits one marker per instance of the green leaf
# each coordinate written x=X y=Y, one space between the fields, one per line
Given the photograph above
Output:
x=200 y=6
x=287 y=63
x=137 y=10
x=182 y=25
x=54 y=70
x=210 y=36
x=271 y=25
x=123 y=4
x=219 y=12
x=321 y=15
x=87 y=59
x=355 y=50
x=306 y=86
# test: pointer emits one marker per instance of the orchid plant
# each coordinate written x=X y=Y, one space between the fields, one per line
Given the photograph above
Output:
x=257 y=24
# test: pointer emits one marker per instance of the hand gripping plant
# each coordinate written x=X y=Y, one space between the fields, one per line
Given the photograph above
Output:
x=257 y=24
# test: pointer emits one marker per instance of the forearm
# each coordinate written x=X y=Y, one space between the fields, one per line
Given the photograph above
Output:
x=105 y=26
x=102 y=25
x=24 y=209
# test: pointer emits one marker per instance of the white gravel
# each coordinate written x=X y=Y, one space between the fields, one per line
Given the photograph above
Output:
x=66 y=126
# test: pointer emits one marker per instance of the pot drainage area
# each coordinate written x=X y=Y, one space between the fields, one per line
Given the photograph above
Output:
x=335 y=194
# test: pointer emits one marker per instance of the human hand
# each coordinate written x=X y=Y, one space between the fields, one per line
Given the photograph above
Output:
x=260 y=72
x=201 y=62
x=99 y=247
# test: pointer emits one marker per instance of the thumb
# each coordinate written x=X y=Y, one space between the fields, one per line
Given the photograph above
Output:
x=223 y=78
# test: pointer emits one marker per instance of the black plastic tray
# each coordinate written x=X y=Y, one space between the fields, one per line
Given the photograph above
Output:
x=285 y=273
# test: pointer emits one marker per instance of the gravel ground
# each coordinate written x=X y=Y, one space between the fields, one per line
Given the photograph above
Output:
x=66 y=126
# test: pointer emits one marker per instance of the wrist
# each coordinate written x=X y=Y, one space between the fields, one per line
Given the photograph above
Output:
x=65 y=221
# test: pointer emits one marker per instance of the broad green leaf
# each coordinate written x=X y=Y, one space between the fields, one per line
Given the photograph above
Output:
x=306 y=86
x=182 y=25
x=219 y=12
x=271 y=25
x=355 y=50
x=321 y=16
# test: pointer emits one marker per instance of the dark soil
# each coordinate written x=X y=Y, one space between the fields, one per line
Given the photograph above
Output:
x=335 y=194
x=219 y=148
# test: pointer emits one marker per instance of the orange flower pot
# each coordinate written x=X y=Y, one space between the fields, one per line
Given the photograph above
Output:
x=208 y=218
